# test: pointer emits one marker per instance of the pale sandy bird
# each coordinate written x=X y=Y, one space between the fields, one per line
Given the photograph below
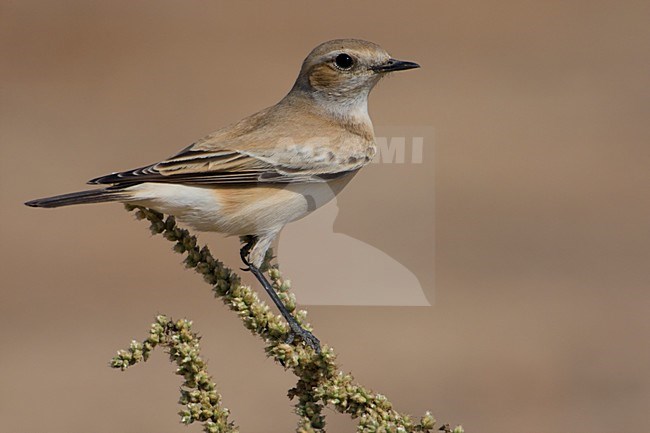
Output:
x=276 y=166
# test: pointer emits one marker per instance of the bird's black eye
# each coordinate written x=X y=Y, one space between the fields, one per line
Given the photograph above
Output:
x=344 y=61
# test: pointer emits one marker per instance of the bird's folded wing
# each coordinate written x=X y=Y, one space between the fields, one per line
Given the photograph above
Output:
x=223 y=166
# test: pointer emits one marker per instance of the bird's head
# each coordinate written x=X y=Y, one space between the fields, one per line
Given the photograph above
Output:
x=343 y=71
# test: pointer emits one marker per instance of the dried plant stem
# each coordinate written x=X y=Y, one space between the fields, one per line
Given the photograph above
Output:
x=320 y=383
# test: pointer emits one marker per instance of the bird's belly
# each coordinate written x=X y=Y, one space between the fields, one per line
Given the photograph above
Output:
x=236 y=210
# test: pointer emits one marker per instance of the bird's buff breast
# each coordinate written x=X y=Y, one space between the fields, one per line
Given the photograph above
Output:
x=237 y=210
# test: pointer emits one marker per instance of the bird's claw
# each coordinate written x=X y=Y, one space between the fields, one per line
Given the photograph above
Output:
x=244 y=252
x=306 y=336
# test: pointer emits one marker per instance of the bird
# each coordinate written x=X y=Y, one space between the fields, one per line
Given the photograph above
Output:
x=253 y=177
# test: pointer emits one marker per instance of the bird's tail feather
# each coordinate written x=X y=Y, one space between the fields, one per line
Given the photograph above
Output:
x=90 y=196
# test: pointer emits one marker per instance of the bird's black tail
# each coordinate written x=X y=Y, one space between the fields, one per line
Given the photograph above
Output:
x=91 y=196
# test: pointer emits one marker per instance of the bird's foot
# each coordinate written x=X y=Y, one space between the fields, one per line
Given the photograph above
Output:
x=295 y=329
x=245 y=251
x=306 y=336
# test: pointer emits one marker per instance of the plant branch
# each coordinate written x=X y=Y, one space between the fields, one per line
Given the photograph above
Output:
x=198 y=392
x=320 y=382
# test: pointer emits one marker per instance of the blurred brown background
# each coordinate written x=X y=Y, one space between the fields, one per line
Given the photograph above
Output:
x=541 y=316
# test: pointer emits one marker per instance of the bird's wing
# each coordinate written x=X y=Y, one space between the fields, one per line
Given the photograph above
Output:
x=225 y=166
x=267 y=147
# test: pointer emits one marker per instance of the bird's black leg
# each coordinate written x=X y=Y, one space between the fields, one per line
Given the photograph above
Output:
x=245 y=250
x=296 y=329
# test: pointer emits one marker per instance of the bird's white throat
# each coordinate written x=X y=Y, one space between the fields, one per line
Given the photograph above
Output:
x=349 y=108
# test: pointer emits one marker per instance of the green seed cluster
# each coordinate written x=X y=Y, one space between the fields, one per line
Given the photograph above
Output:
x=375 y=412
x=320 y=382
x=198 y=392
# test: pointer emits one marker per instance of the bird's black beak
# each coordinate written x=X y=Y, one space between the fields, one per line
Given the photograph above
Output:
x=395 y=65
